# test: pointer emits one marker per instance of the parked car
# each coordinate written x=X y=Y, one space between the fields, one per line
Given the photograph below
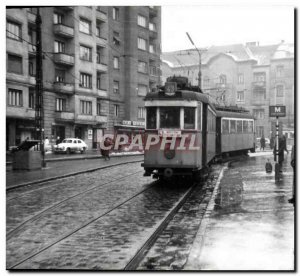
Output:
x=69 y=145
x=267 y=143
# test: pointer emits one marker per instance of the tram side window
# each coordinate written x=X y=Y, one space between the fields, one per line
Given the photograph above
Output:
x=245 y=126
x=170 y=117
x=232 y=126
x=250 y=126
x=211 y=122
x=225 y=126
x=239 y=126
x=189 y=118
x=151 y=118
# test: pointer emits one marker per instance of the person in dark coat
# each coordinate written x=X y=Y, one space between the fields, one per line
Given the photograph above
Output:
x=271 y=142
x=105 y=152
x=262 y=143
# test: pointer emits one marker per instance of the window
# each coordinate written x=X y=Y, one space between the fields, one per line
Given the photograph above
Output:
x=189 y=118
x=116 y=63
x=15 y=97
x=245 y=126
x=86 y=107
x=31 y=68
x=59 y=75
x=59 y=46
x=98 y=107
x=279 y=71
x=232 y=126
x=116 y=110
x=85 y=80
x=13 y=30
x=14 y=64
x=31 y=99
x=250 y=127
x=142 y=21
x=85 y=53
x=98 y=31
x=151 y=118
x=225 y=126
x=142 y=67
x=152 y=27
x=142 y=90
x=60 y=104
x=152 y=49
x=57 y=18
x=223 y=79
x=259 y=113
x=279 y=91
x=240 y=96
x=170 y=117
x=116 y=87
x=141 y=43
x=240 y=78
x=84 y=26
x=116 y=14
x=239 y=126
x=141 y=112
x=259 y=76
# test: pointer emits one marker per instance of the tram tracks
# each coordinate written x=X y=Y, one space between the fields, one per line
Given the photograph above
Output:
x=124 y=252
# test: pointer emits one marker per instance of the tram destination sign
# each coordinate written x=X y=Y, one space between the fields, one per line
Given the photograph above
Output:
x=277 y=111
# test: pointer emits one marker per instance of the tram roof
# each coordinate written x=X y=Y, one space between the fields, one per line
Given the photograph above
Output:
x=231 y=114
x=180 y=95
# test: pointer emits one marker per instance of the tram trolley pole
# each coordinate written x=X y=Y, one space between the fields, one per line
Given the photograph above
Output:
x=277 y=111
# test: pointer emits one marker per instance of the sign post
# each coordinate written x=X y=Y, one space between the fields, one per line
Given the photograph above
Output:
x=277 y=111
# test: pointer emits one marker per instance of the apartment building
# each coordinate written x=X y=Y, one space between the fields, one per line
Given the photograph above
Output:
x=248 y=76
x=98 y=64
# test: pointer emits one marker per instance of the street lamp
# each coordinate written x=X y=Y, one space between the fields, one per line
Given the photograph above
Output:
x=199 y=77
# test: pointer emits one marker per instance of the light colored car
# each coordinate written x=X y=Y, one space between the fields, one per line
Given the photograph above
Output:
x=69 y=145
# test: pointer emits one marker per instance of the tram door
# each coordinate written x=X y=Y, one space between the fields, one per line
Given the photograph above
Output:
x=218 y=136
x=204 y=135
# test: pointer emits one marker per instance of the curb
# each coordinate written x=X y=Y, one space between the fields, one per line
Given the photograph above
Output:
x=82 y=158
x=67 y=175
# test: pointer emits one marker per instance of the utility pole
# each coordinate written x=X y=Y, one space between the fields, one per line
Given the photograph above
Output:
x=199 y=53
x=39 y=106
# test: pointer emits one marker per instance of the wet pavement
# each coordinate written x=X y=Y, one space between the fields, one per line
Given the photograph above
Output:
x=250 y=225
x=62 y=168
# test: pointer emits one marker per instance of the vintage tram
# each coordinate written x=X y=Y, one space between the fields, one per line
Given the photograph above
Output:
x=185 y=132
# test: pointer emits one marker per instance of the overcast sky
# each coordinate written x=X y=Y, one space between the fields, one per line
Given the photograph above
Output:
x=228 y=24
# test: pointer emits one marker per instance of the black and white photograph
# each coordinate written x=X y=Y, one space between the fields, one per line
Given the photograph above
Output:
x=150 y=137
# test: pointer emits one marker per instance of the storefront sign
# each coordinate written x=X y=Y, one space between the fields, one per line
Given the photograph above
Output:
x=133 y=123
x=126 y=123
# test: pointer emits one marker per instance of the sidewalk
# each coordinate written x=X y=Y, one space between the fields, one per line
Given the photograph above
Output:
x=66 y=166
x=249 y=224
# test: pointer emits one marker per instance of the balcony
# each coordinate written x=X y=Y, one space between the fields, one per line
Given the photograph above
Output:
x=31 y=49
x=20 y=112
x=101 y=93
x=101 y=119
x=31 y=80
x=85 y=119
x=31 y=17
x=101 y=67
x=101 y=40
x=259 y=84
x=64 y=116
x=63 y=30
x=63 y=87
x=64 y=59
x=101 y=15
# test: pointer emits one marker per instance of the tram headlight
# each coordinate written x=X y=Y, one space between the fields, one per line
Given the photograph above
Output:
x=169 y=154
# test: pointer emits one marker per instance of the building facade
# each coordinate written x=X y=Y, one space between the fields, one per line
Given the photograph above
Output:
x=98 y=64
x=249 y=76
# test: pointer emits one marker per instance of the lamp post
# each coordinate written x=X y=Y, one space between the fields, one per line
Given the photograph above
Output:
x=199 y=75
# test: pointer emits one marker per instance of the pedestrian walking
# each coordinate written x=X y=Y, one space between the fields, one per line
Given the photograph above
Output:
x=292 y=200
x=262 y=143
x=284 y=142
x=105 y=151
x=57 y=140
x=46 y=144
x=271 y=142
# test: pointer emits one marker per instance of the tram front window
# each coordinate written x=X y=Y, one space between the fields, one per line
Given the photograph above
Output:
x=151 y=118
x=170 y=117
